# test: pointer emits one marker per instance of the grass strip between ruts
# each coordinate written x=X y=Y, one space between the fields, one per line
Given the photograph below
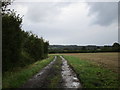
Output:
x=54 y=78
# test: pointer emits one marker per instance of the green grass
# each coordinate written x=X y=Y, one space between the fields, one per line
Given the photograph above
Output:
x=54 y=78
x=18 y=78
x=93 y=76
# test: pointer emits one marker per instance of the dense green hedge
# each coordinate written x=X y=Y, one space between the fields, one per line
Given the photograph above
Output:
x=19 y=47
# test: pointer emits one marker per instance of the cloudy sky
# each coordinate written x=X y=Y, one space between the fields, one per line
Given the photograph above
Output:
x=65 y=23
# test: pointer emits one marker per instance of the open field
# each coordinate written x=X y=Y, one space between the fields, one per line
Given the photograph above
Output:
x=107 y=60
x=91 y=75
x=94 y=70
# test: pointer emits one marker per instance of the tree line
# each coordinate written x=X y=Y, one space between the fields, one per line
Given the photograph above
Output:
x=83 y=49
x=19 y=48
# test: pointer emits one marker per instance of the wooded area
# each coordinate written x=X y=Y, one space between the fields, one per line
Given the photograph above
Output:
x=19 y=48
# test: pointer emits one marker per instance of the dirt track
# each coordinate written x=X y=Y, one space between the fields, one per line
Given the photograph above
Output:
x=44 y=79
x=38 y=80
x=69 y=77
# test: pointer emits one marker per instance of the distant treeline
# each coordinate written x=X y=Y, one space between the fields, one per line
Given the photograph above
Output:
x=19 y=48
x=83 y=49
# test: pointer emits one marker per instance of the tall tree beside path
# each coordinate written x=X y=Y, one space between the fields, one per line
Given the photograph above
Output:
x=19 y=48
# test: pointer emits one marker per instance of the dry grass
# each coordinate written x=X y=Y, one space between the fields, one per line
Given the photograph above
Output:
x=107 y=60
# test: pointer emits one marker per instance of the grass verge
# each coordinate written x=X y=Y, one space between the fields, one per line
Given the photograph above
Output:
x=18 y=78
x=54 y=78
x=93 y=76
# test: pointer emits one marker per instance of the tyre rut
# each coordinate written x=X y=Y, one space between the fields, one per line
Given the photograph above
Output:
x=37 y=80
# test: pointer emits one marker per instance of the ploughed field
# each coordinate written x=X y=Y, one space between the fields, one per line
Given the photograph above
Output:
x=107 y=60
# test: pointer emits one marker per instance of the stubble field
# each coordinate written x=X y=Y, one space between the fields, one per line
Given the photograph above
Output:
x=107 y=60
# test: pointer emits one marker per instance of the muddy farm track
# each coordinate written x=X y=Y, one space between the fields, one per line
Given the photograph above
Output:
x=57 y=74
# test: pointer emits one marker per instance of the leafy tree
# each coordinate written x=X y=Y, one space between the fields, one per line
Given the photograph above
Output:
x=4 y=4
x=11 y=38
x=19 y=47
x=116 y=47
x=46 y=44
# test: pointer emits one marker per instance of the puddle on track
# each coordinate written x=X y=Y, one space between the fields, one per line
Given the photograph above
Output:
x=69 y=77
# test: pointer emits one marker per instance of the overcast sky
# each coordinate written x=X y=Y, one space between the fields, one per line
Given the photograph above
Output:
x=76 y=23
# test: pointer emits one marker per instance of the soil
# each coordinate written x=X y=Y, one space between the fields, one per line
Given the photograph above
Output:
x=57 y=74
x=38 y=80
x=69 y=77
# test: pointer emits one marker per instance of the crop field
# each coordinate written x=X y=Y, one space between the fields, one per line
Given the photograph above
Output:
x=107 y=60
x=91 y=75
x=95 y=70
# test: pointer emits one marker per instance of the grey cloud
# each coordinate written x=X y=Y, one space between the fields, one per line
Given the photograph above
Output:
x=44 y=11
x=106 y=12
x=73 y=25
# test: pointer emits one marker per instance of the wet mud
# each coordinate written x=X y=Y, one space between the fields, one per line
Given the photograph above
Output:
x=70 y=79
x=37 y=81
x=57 y=74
